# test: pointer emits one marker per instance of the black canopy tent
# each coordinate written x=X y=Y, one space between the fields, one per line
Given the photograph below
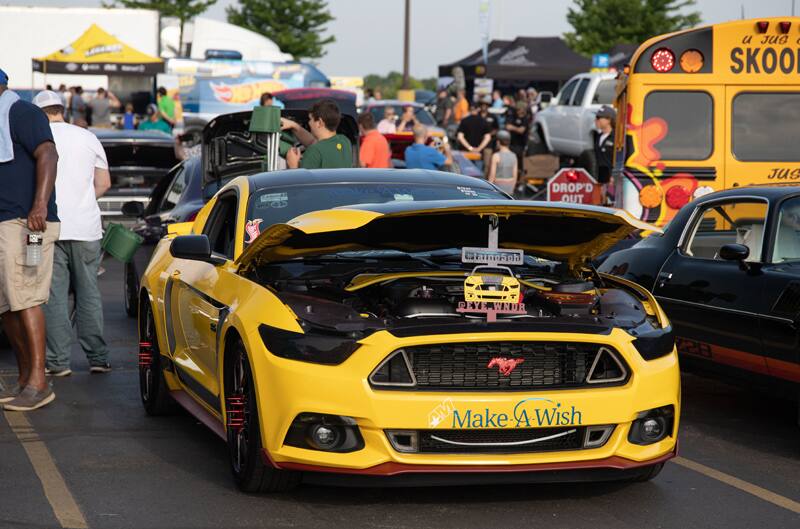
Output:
x=542 y=62
x=474 y=59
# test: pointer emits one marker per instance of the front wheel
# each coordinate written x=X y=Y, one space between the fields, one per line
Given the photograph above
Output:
x=250 y=472
x=649 y=473
x=537 y=143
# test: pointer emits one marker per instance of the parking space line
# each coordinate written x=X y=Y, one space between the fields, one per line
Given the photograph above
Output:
x=745 y=486
x=55 y=488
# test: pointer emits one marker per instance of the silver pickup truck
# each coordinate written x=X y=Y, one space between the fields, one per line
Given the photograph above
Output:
x=565 y=126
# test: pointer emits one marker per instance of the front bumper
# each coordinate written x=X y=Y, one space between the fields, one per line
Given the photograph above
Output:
x=287 y=388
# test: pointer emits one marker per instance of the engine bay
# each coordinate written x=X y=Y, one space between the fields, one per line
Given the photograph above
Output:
x=364 y=300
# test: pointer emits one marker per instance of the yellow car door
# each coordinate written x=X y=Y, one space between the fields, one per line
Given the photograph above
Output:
x=196 y=308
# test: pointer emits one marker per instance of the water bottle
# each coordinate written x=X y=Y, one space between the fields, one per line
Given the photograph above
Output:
x=33 y=251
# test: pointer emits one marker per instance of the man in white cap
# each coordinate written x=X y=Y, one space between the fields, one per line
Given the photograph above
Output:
x=82 y=177
x=28 y=221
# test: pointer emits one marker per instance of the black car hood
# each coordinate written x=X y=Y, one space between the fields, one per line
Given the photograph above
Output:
x=229 y=149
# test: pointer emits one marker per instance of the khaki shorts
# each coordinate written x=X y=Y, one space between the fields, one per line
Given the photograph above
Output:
x=23 y=287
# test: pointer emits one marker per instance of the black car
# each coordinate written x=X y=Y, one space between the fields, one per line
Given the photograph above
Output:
x=137 y=160
x=177 y=198
x=727 y=272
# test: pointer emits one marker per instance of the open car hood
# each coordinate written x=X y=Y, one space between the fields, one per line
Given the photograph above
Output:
x=229 y=149
x=573 y=234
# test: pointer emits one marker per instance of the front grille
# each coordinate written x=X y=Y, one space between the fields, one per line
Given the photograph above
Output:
x=465 y=366
x=499 y=441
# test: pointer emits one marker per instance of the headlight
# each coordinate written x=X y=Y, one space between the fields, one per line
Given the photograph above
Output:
x=314 y=346
x=652 y=426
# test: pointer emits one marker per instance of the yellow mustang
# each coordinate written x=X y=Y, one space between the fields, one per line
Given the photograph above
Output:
x=323 y=341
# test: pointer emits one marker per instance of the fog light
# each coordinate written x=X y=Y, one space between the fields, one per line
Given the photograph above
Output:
x=324 y=437
x=329 y=433
x=652 y=426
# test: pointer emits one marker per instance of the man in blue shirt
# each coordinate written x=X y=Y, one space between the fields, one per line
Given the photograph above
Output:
x=421 y=156
x=27 y=219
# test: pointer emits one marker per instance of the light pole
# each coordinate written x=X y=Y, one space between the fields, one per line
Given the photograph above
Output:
x=405 y=93
x=406 y=39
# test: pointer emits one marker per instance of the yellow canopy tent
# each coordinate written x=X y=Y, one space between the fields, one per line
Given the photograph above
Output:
x=97 y=52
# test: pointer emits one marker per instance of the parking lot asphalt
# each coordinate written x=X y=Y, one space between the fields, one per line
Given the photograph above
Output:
x=94 y=459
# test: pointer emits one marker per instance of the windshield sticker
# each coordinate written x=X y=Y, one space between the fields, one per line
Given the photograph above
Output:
x=468 y=191
x=253 y=230
x=404 y=197
x=274 y=200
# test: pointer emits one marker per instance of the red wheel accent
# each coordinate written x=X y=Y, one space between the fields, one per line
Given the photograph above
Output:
x=235 y=406
x=145 y=354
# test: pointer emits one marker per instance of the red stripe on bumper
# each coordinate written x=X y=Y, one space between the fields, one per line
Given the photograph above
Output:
x=393 y=469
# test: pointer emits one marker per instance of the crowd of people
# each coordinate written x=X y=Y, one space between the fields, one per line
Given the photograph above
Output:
x=494 y=130
x=104 y=110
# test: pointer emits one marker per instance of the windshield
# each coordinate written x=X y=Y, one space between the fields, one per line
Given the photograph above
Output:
x=280 y=204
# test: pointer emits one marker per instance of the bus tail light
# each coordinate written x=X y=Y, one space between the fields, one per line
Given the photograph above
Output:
x=677 y=197
x=784 y=26
x=762 y=26
x=662 y=60
x=650 y=196
x=691 y=61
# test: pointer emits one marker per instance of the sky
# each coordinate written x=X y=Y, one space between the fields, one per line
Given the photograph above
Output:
x=369 y=33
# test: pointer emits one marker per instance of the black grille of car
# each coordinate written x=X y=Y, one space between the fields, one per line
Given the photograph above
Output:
x=498 y=441
x=465 y=366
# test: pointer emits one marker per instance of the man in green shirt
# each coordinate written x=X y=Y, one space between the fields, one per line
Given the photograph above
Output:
x=325 y=149
x=166 y=106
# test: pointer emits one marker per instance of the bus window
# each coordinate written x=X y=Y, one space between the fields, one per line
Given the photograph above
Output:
x=766 y=127
x=566 y=92
x=580 y=93
x=690 y=123
x=604 y=95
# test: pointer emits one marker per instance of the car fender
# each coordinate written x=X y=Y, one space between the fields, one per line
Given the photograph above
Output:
x=637 y=264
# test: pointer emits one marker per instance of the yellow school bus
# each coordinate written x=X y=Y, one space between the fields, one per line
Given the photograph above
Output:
x=707 y=109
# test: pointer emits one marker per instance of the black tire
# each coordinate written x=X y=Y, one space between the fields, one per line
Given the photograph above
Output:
x=537 y=143
x=648 y=473
x=153 y=388
x=250 y=472
x=130 y=290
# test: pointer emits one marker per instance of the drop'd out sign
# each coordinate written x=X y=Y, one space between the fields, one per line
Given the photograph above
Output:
x=573 y=185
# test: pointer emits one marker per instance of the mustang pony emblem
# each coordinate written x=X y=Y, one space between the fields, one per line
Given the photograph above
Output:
x=505 y=365
x=252 y=229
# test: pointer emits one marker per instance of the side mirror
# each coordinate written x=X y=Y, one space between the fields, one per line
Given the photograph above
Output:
x=544 y=99
x=133 y=208
x=193 y=248
x=734 y=252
